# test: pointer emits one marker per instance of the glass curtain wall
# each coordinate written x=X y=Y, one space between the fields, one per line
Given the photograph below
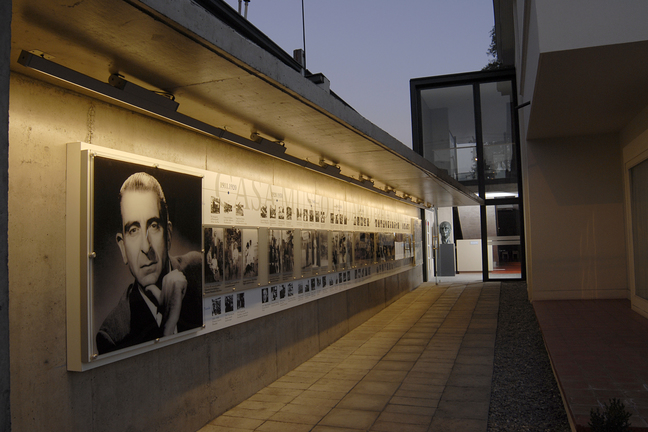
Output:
x=505 y=251
x=467 y=125
x=500 y=149
x=449 y=136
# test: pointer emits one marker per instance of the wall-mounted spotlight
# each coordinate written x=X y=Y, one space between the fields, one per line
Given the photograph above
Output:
x=160 y=98
x=365 y=179
x=329 y=166
x=325 y=162
x=390 y=190
x=258 y=138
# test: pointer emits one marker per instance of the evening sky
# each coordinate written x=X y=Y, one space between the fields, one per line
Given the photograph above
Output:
x=370 y=49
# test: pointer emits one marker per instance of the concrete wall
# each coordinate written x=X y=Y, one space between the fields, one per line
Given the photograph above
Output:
x=470 y=217
x=574 y=213
x=5 y=39
x=176 y=388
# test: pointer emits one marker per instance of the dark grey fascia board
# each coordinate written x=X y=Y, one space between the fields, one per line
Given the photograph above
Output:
x=504 y=31
x=475 y=76
x=232 y=18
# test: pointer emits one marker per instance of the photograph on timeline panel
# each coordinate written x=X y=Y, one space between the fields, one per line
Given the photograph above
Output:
x=250 y=255
x=214 y=249
x=307 y=251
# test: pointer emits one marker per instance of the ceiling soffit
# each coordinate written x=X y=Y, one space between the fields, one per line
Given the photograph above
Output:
x=588 y=91
x=98 y=38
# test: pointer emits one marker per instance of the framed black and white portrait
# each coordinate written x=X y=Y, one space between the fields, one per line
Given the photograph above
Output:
x=147 y=270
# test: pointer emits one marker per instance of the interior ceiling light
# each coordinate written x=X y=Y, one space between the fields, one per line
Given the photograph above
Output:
x=491 y=195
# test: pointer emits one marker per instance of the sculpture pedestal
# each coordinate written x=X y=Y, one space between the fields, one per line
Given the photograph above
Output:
x=446 y=260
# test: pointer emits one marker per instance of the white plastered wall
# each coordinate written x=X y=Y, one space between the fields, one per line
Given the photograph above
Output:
x=634 y=139
x=572 y=186
x=575 y=217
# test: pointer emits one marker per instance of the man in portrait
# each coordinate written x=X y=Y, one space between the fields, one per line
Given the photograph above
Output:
x=165 y=296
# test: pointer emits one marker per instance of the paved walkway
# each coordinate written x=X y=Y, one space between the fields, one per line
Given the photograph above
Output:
x=599 y=351
x=424 y=363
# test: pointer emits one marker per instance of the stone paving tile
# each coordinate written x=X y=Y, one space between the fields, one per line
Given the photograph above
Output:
x=237 y=422
x=346 y=374
x=409 y=409
x=372 y=351
x=420 y=387
x=461 y=380
x=296 y=417
x=312 y=409
x=477 y=410
x=420 y=402
x=405 y=418
x=315 y=367
x=402 y=356
x=261 y=397
x=356 y=419
x=482 y=360
x=261 y=414
x=297 y=379
x=258 y=405
x=420 y=364
x=433 y=366
x=275 y=426
x=432 y=379
x=322 y=394
x=447 y=424
x=394 y=365
x=334 y=429
x=290 y=385
x=333 y=385
x=309 y=399
x=468 y=394
x=386 y=375
x=430 y=393
x=377 y=387
x=363 y=401
x=411 y=343
x=384 y=426
x=213 y=428
x=294 y=373
x=279 y=392
x=472 y=369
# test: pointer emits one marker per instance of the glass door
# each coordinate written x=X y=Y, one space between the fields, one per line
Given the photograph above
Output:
x=503 y=240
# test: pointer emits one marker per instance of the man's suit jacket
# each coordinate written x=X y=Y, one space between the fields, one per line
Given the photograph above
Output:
x=131 y=321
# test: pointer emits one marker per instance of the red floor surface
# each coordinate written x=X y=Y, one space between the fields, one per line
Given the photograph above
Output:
x=599 y=351
x=510 y=267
